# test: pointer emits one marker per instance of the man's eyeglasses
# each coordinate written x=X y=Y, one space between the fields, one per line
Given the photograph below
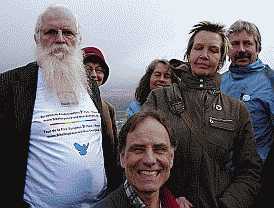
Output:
x=56 y=32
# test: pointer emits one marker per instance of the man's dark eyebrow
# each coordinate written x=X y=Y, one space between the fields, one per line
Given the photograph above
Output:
x=137 y=145
x=160 y=145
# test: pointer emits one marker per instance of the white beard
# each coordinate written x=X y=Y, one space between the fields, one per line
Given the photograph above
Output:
x=64 y=72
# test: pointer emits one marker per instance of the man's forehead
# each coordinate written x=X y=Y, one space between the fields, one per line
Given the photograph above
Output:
x=58 y=21
x=240 y=34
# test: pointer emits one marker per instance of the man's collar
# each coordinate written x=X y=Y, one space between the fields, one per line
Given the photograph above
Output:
x=133 y=197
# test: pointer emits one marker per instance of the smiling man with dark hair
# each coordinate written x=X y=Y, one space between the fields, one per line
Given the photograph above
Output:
x=146 y=154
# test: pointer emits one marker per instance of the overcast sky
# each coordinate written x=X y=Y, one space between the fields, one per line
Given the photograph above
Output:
x=131 y=33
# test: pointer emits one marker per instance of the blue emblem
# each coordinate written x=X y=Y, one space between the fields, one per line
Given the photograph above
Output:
x=82 y=149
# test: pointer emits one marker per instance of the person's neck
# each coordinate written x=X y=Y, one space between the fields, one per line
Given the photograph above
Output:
x=151 y=200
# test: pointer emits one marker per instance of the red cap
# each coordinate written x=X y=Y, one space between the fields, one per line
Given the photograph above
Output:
x=89 y=53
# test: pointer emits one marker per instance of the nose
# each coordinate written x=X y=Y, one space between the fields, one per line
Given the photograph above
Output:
x=149 y=158
x=204 y=54
x=162 y=78
x=60 y=37
x=241 y=47
x=92 y=73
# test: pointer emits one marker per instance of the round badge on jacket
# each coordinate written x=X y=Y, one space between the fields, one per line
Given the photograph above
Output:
x=246 y=97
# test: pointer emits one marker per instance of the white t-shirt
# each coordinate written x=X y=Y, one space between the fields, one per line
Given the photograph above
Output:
x=65 y=162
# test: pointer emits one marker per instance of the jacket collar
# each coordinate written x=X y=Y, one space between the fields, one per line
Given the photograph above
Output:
x=190 y=81
x=241 y=72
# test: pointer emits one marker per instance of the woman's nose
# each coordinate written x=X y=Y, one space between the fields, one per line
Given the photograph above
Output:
x=204 y=54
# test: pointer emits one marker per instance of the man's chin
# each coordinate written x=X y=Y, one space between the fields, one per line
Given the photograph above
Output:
x=242 y=63
x=147 y=188
x=59 y=55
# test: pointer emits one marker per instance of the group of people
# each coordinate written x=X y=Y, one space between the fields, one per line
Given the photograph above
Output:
x=193 y=138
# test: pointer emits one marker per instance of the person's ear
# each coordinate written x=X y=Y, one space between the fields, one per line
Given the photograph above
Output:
x=35 y=38
x=79 y=39
x=171 y=157
x=122 y=158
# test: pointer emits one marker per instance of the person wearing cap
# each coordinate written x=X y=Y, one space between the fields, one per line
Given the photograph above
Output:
x=98 y=70
x=52 y=126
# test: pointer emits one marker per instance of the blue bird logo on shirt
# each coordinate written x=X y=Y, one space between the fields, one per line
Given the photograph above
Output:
x=82 y=149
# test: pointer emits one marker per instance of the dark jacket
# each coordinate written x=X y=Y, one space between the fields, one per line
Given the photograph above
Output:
x=216 y=163
x=17 y=98
x=108 y=113
x=116 y=199
x=119 y=199
x=266 y=198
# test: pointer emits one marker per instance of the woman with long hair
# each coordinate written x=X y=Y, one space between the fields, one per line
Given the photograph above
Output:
x=159 y=73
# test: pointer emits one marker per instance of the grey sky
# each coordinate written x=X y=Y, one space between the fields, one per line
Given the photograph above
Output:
x=130 y=32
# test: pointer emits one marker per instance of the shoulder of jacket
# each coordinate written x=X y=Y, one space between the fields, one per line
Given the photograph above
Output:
x=269 y=73
x=16 y=73
x=118 y=197
x=171 y=88
x=172 y=91
x=173 y=97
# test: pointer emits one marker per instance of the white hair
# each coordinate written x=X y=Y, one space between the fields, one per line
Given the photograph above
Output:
x=64 y=72
x=61 y=64
x=56 y=10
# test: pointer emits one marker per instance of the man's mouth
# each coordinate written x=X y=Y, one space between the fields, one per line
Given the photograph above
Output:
x=149 y=172
x=58 y=50
x=242 y=58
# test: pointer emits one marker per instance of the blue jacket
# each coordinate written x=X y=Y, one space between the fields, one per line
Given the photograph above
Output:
x=254 y=85
x=133 y=108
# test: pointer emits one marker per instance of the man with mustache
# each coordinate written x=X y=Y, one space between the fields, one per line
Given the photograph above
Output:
x=251 y=81
x=58 y=154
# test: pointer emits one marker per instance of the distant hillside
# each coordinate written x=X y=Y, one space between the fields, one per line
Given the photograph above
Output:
x=120 y=97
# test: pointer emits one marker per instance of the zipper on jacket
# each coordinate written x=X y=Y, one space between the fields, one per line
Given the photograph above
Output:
x=211 y=120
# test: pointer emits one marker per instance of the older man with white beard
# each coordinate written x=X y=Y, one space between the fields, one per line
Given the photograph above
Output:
x=51 y=124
